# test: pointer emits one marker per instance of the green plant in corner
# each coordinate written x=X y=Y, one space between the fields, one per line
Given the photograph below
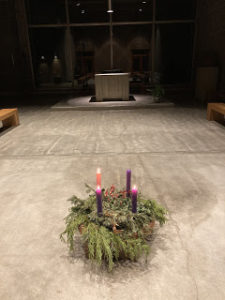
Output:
x=117 y=233
x=158 y=92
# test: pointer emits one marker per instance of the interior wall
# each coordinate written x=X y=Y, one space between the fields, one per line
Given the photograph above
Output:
x=10 y=58
x=15 y=71
x=210 y=46
x=173 y=52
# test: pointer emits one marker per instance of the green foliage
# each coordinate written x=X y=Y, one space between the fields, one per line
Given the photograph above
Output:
x=117 y=233
x=158 y=91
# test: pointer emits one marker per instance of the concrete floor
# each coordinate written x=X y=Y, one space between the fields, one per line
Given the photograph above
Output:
x=176 y=156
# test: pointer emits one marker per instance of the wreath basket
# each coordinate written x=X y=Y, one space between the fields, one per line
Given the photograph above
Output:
x=115 y=234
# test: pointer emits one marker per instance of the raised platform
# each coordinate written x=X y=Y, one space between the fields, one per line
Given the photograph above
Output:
x=131 y=98
x=83 y=103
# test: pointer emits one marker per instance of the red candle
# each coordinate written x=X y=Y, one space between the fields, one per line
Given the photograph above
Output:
x=98 y=177
x=134 y=199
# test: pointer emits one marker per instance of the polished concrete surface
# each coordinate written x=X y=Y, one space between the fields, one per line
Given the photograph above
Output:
x=176 y=156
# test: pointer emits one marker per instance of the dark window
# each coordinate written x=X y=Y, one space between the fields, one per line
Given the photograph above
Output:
x=132 y=10
x=85 y=62
x=46 y=12
x=140 y=60
x=175 y=9
x=88 y=11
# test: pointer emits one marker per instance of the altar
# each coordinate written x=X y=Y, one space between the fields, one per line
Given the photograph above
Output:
x=112 y=86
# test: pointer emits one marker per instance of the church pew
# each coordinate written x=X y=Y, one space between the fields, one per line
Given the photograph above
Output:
x=9 y=117
x=216 y=111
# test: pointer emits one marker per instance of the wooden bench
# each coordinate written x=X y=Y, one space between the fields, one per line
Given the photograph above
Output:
x=9 y=117
x=216 y=111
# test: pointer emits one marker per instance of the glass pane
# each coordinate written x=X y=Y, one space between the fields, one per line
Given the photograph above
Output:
x=133 y=53
x=173 y=53
x=91 y=54
x=132 y=10
x=46 y=11
x=51 y=57
x=85 y=11
x=136 y=64
x=175 y=9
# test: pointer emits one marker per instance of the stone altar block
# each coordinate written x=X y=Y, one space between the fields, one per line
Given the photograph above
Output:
x=112 y=86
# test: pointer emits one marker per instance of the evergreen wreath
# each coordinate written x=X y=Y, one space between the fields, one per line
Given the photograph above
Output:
x=117 y=233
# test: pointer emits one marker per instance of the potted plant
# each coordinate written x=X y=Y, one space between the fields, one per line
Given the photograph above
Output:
x=115 y=234
x=157 y=93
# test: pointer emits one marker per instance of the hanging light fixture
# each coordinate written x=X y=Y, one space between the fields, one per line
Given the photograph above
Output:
x=110 y=10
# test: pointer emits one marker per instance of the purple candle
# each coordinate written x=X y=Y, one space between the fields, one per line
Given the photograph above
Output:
x=128 y=183
x=99 y=200
x=134 y=199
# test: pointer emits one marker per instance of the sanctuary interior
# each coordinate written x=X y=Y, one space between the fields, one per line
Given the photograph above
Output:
x=117 y=85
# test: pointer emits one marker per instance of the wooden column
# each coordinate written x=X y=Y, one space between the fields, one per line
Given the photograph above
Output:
x=70 y=43
x=111 y=42
x=194 y=52
x=23 y=35
x=153 y=41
